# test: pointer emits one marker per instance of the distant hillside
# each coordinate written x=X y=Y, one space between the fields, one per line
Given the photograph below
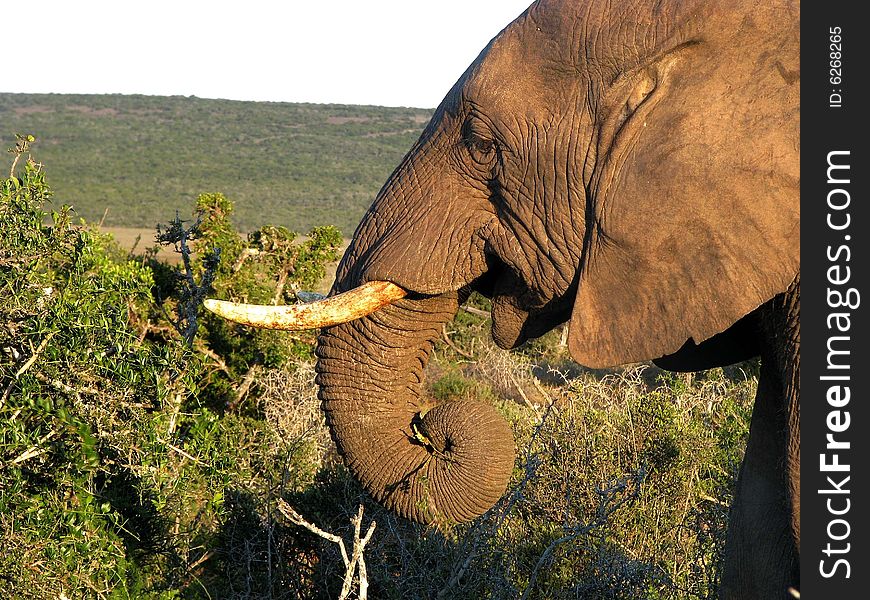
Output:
x=144 y=157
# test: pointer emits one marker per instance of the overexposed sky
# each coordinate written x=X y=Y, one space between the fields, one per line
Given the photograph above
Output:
x=382 y=52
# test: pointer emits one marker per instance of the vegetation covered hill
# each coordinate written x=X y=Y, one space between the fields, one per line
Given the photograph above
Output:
x=143 y=157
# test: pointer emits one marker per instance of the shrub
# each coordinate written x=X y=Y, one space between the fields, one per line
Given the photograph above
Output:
x=621 y=490
x=81 y=402
x=119 y=472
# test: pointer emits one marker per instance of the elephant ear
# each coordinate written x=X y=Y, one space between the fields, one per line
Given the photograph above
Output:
x=694 y=205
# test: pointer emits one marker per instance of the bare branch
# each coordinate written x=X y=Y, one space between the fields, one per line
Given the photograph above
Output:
x=522 y=392
x=243 y=388
x=186 y=455
x=35 y=450
x=245 y=254
x=353 y=565
x=35 y=355
x=294 y=517
x=450 y=343
x=279 y=286
x=26 y=366
x=475 y=311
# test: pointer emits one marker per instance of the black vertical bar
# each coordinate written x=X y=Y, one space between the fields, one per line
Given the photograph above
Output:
x=835 y=260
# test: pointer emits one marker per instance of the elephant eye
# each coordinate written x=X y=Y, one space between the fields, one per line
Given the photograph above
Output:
x=482 y=148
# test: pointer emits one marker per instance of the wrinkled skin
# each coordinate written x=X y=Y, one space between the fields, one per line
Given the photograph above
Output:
x=631 y=168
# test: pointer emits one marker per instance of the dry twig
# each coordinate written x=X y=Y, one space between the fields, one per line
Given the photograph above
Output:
x=35 y=450
x=353 y=564
x=475 y=311
x=450 y=343
x=243 y=388
x=36 y=354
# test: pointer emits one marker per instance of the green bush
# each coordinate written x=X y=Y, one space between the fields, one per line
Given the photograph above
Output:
x=81 y=401
x=595 y=508
x=116 y=460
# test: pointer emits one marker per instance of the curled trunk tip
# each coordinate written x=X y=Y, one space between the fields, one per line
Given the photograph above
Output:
x=432 y=463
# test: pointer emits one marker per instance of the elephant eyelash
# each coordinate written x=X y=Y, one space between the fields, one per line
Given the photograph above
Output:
x=481 y=145
x=483 y=149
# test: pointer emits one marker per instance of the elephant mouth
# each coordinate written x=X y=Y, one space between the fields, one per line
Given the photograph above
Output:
x=519 y=312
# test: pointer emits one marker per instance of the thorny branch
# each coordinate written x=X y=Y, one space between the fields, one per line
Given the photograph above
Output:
x=446 y=336
x=22 y=146
x=191 y=294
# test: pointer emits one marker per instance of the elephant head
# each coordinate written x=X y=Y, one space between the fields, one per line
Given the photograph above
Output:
x=631 y=168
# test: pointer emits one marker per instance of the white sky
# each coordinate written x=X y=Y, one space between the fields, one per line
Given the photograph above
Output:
x=383 y=52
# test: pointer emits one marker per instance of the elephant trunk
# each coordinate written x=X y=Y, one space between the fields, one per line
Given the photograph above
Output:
x=432 y=463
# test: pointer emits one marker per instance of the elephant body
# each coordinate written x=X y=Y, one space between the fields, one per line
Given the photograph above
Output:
x=630 y=168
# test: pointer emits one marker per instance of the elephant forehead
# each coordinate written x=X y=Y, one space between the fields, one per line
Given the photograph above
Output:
x=605 y=38
x=515 y=79
x=552 y=50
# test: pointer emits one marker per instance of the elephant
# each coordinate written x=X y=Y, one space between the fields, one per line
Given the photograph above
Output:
x=629 y=168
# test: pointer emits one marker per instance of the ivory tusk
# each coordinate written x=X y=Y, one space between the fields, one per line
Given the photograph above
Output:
x=350 y=305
